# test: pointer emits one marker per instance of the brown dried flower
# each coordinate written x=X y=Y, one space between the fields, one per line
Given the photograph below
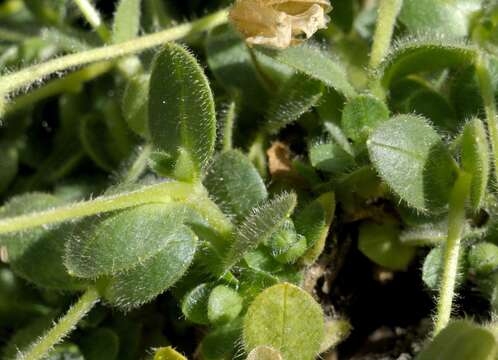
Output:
x=279 y=23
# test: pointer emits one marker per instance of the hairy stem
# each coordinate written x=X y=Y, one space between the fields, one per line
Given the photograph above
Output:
x=488 y=96
x=92 y=16
x=456 y=222
x=32 y=74
x=64 y=326
x=164 y=192
x=388 y=12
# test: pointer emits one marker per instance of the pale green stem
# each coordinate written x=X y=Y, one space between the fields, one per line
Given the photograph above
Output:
x=164 y=192
x=488 y=96
x=388 y=12
x=92 y=16
x=71 y=83
x=386 y=21
x=228 y=126
x=193 y=195
x=24 y=78
x=456 y=223
x=64 y=326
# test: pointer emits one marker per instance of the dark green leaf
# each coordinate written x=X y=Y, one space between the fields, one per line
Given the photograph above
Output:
x=194 y=304
x=295 y=97
x=411 y=158
x=258 y=226
x=425 y=55
x=380 y=243
x=102 y=343
x=181 y=106
x=449 y=18
x=154 y=275
x=135 y=105
x=461 y=340
x=122 y=240
x=330 y=157
x=361 y=115
x=235 y=184
x=317 y=64
x=9 y=160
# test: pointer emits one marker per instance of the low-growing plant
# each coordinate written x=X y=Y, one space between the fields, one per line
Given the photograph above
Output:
x=199 y=185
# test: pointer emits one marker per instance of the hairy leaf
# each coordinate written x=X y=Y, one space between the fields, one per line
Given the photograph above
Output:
x=271 y=321
x=126 y=21
x=181 y=106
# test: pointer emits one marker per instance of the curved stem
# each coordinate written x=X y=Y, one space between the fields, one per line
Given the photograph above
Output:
x=456 y=223
x=64 y=326
x=24 y=78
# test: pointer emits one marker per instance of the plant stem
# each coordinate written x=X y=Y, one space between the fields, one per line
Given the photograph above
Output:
x=388 y=12
x=456 y=223
x=64 y=326
x=228 y=126
x=92 y=16
x=24 y=78
x=138 y=166
x=488 y=96
x=163 y=192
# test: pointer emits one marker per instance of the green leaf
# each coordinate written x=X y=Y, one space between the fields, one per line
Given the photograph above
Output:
x=221 y=342
x=295 y=97
x=264 y=353
x=411 y=158
x=361 y=115
x=380 y=243
x=475 y=160
x=432 y=269
x=195 y=303
x=336 y=331
x=181 y=106
x=224 y=305
x=330 y=157
x=122 y=240
x=154 y=275
x=230 y=60
x=135 y=104
x=450 y=18
x=168 y=353
x=236 y=195
x=37 y=255
x=461 y=340
x=425 y=55
x=126 y=21
x=483 y=258
x=313 y=222
x=271 y=321
x=317 y=64
x=102 y=343
x=258 y=226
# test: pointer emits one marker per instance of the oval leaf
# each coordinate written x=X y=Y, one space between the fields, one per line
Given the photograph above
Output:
x=271 y=321
x=411 y=158
x=122 y=240
x=153 y=276
x=227 y=188
x=181 y=106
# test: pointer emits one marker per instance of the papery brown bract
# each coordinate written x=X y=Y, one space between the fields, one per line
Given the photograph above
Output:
x=279 y=23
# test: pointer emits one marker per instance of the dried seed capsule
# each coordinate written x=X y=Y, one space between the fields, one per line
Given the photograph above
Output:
x=279 y=23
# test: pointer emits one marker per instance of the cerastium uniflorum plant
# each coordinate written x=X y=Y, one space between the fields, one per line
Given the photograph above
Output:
x=258 y=179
